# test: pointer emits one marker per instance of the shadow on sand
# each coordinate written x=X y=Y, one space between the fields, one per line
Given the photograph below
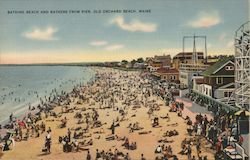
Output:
x=43 y=154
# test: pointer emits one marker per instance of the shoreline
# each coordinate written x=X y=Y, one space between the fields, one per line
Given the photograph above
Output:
x=113 y=78
x=25 y=109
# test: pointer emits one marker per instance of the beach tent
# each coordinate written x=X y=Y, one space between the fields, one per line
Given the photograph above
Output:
x=241 y=112
x=243 y=121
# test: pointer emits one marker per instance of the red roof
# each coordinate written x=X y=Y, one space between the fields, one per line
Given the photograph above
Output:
x=167 y=70
x=199 y=81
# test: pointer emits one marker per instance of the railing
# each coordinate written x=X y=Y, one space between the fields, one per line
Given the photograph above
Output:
x=214 y=101
x=193 y=67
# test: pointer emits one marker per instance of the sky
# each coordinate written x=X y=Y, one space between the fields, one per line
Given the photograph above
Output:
x=35 y=31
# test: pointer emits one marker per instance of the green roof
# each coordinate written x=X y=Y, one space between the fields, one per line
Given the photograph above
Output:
x=211 y=69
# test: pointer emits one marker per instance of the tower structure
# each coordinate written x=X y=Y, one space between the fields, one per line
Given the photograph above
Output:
x=195 y=57
x=189 y=69
x=242 y=66
x=194 y=37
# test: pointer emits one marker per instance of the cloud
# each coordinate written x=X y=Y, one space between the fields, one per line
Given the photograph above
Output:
x=46 y=34
x=114 y=47
x=230 y=44
x=111 y=47
x=98 y=43
x=134 y=25
x=205 y=20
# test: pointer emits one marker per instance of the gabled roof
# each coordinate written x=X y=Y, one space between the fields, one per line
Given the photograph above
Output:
x=228 y=86
x=211 y=70
x=149 y=59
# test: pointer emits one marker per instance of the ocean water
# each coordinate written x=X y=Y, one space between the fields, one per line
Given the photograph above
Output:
x=21 y=86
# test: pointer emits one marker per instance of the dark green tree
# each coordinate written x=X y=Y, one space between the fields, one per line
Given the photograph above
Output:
x=140 y=60
x=133 y=62
x=124 y=61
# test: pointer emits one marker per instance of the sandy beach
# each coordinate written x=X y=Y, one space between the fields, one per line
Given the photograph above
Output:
x=115 y=97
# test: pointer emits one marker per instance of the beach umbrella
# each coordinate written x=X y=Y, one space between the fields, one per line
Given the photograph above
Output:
x=20 y=123
x=240 y=112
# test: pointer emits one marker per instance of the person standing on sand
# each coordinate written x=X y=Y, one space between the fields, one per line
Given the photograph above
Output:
x=11 y=117
x=49 y=130
x=88 y=156
x=142 y=157
x=198 y=132
x=127 y=157
x=189 y=152
x=113 y=127
x=198 y=147
x=69 y=134
x=175 y=157
x=98 y=154
x=48 y=142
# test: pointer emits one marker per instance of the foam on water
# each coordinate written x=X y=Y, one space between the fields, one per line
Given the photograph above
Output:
x=24 y=85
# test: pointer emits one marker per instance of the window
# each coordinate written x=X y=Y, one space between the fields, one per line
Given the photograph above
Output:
x=219 y=80
x=229 y=68
x=227 y=94
x=172 y=77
